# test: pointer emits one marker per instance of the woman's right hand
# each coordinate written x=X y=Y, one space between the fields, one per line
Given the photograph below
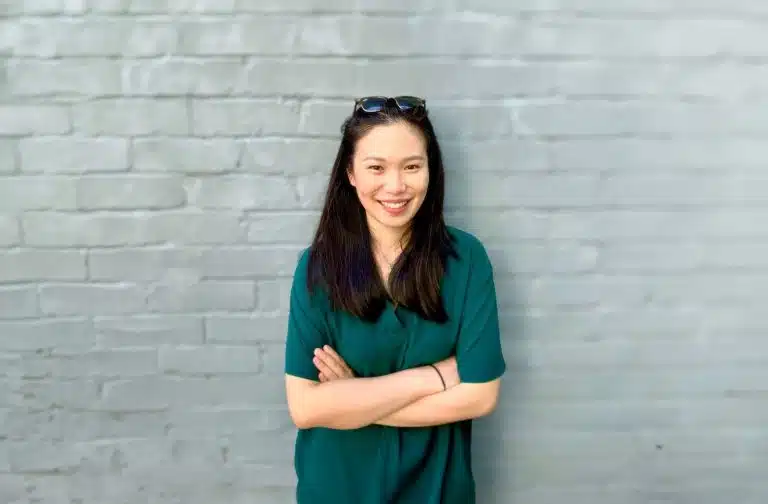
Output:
x=449 y=371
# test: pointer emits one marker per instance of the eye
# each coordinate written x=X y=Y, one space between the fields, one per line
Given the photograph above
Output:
x=413 y=167
x=375 y=168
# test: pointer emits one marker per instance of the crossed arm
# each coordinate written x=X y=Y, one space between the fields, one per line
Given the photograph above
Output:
x=462 y=402
x=410 y=398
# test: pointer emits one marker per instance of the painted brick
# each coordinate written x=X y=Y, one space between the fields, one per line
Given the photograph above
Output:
x=17 y=302
x=35 y=265
x=153 y=192
x=149 y=331
x=210 y=359
x=163 y=163
x=73 y=155
x=8 y=156
x=9 y=231
x=185 y=77
x=245 y=328
x=245 y=192
x=37 y=193
x=180 y=297
x=91 y=299
x=49 y=37
x=31 y=335
x=131 y=116
x=237 y=117
x=39 y=78
x=95 y=230
x=28 y=119
x=257 y=35
x=185 y=155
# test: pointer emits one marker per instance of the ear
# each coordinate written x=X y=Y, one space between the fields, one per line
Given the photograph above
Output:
x=351 y=176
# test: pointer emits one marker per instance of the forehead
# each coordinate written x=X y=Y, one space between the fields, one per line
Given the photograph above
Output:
x=391 y=141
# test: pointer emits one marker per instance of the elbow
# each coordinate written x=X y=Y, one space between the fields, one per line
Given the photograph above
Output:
x=487 y=405
x=301 y=419
x=486 y=400
x=301 y=402
x=301 y=412
x=306 y=422
x=304 y=418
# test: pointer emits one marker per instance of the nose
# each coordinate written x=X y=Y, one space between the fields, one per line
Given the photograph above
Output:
x=395 y=182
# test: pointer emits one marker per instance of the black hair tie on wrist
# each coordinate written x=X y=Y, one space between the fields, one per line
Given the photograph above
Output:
x=440 y=375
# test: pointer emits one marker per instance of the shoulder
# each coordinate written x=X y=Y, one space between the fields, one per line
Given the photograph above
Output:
x=472 y=261
x=472 y=272
x=301 y=275
x=302 y=262
x=468 y=246
x=301 y=268
x=308 y=292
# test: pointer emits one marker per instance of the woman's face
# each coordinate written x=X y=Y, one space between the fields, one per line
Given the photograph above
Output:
x=390 y=175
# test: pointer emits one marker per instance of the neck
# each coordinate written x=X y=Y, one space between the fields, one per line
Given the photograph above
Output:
x=387 y=239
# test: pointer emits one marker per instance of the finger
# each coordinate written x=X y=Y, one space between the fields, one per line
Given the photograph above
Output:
x=330 y=351
x=322 y=378
x=323 y=367
x=332 y=356
x=332 y=363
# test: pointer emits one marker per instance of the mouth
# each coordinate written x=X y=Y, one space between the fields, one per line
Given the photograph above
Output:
x=394 y=207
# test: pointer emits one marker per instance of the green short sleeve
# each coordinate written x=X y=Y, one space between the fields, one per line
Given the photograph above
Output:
x=307 y=329
x=479 y=355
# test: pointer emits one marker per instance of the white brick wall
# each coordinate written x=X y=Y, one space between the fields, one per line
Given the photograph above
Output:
x=162 y=162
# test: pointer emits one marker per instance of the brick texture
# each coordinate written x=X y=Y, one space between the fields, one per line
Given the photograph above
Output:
x=162 y=163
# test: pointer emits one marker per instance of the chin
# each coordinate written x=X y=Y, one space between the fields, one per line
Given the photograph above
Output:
x=396 y=223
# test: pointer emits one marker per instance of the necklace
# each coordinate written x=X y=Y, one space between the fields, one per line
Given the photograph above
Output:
x=380 y=254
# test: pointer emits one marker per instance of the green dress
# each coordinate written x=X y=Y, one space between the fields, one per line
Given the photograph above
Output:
x=390 y=465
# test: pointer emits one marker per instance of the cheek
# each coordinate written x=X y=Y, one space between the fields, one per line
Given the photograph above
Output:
x=365 y=187
x=421 y=184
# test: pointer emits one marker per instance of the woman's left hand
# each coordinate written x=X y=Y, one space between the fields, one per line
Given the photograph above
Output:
x=330 y=365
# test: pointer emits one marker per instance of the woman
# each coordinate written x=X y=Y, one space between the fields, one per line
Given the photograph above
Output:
x=393 y=340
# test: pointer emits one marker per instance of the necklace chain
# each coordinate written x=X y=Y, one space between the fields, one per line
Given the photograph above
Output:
x=384 y=258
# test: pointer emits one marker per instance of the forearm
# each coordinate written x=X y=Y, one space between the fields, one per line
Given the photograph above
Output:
x=357 y=402
x=463 y=402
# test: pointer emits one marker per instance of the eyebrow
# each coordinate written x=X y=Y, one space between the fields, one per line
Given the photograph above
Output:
x=415 y=157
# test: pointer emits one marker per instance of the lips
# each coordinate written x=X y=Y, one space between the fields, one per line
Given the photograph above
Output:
x=394 y=204
x=395 y=207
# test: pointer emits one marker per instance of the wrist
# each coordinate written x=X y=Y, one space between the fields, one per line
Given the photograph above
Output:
x=430 y=380
x=440 y=376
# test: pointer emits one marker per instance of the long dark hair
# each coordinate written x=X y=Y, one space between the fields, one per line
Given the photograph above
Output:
x=341 y=258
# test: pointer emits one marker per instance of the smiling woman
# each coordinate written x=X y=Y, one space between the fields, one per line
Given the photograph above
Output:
x=398 y=184
x=393 y=343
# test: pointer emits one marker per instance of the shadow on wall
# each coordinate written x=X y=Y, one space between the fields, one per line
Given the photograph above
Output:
x=491 y=464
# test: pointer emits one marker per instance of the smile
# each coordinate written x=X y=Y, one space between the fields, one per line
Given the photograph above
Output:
x=395 y=208
x=394 y=204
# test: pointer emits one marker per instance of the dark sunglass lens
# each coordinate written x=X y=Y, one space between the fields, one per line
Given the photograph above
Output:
x=409 y=102
x=374 y=104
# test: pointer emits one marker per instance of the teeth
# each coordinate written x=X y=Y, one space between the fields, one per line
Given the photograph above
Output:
x=394 y=205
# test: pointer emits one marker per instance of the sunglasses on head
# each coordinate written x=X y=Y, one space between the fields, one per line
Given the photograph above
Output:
x=373 y=104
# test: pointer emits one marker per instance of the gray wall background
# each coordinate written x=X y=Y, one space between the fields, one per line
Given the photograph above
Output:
x=162 y=163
